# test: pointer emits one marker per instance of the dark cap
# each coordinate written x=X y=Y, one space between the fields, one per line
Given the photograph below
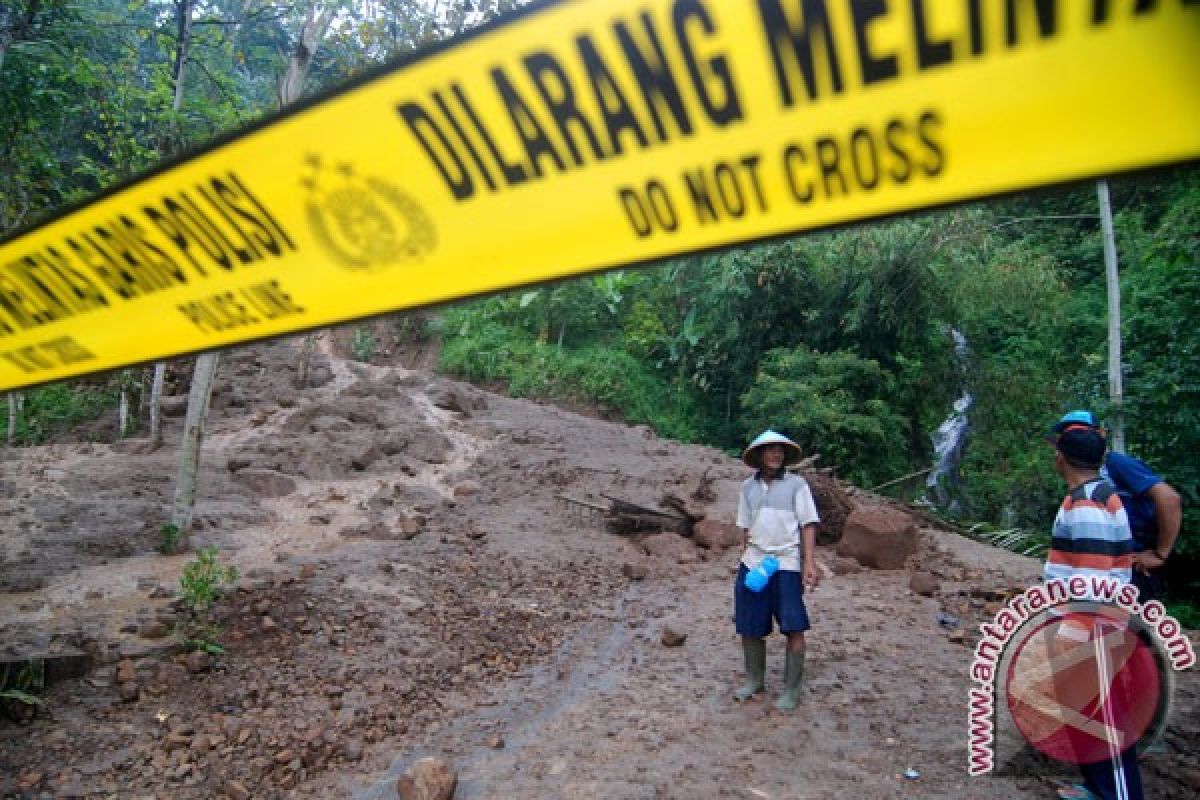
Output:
x=1082 y=446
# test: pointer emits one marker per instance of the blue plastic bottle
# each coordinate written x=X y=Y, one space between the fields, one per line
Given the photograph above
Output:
x=756 y=579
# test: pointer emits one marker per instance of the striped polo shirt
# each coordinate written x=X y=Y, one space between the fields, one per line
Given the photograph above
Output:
x=775 y=513
x=1091 y=535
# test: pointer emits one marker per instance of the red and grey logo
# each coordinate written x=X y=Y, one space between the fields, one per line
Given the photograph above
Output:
x=1086 y=681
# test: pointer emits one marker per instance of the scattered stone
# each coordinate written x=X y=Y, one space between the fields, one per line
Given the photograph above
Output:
x=128 y=692
x=177 y=741
x=467 y=489
x=126 y=672
x=410 y=526
x=428 y=779
x=198 y=661
x=713 y=534
x=352 y=749
x=634 y=572
x=845 y=566
x=672 y=637
x=236 y=791
x=153 y=630
x=496 y=742
x=670 y=547
x=924 y=584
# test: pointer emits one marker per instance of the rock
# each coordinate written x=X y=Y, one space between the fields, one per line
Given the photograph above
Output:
x=924 y=584
x=428 y=779
x=670 y=546
x=672 y=637
x=496 y=742
x=880 y=538
x=635 y=572
x=376 y=529
x=712 y=534
x=198 y=661
x=410 y=527
x=467 y=489
x=153 y=630
x=352 y=749
x=236 y=791
x=845 y=566
x=128 y=692
x=266 y=482
x=177 y=741
x=363 y=460
x=452 y=399
x=126 y=672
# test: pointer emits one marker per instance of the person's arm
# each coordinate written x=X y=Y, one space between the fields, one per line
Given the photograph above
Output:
x=1168 y=515
x=743 y=518
x=808 y=537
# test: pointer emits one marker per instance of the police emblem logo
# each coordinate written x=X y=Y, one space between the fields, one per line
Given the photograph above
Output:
x=365 y=223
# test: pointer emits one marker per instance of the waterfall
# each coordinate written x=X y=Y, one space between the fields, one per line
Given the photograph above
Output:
x=950 y=440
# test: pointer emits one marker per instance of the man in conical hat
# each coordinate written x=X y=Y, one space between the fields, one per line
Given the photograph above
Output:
x=778 y=518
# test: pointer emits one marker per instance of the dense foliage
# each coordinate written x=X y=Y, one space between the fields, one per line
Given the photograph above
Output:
x=841 y=340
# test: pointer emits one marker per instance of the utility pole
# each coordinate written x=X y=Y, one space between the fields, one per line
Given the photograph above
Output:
x=1115 y=392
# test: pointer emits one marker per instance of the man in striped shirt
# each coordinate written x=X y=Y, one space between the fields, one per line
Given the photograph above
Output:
x=1091 y=537
x=1091 y=533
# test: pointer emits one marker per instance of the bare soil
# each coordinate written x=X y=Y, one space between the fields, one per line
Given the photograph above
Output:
x=414 y=583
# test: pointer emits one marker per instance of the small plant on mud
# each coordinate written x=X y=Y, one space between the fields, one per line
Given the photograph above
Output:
x=203 y=578
x=363 y=344
x=18 y=698
x=171 y=536
x=202 y=581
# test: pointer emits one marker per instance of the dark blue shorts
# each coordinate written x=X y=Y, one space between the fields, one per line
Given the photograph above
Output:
x=782 y=599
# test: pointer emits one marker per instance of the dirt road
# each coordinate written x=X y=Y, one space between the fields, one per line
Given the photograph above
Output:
x=413 y=584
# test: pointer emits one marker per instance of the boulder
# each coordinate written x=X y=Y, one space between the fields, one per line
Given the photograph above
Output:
x=879 y=538
x=712 y=534
x=670 y=546
x=924 y=583
x=672 y=637
x=428 y=779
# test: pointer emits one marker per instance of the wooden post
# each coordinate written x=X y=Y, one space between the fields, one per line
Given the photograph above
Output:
x=1115 y=391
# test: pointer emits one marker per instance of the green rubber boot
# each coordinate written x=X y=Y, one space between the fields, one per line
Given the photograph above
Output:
x=793 y=674
x=755 y=653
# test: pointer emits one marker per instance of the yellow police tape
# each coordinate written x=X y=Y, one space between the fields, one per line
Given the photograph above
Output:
x=579 y=136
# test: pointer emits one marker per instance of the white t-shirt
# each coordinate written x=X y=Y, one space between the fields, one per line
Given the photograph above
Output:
x=775 y=514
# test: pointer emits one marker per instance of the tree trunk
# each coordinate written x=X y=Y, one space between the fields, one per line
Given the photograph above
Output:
x=291 y=86
x=14 y=415
x=189 y=449
x=183 y=32
x=123 y=414
x=160 y=372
